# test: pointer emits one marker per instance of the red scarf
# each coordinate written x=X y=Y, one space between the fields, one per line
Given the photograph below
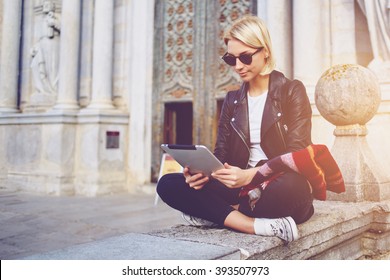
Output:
x=315 y=162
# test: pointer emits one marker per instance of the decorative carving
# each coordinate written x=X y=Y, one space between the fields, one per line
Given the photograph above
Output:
x=229 y=12
x=45 y=54
x=178 y=46
x=231 y=87
x=179 y=93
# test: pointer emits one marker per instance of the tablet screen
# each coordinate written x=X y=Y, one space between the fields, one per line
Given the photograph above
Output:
x=198 y=158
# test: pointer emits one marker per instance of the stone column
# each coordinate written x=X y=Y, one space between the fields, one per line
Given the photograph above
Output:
x=10 y=44
x=348 y=96
x=343 y=33
x=309 y=40
x=102 y=55
x=69 y=56
x=140 y=80
x=278 y=17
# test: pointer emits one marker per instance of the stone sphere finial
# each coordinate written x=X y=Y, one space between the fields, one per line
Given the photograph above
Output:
x=347 y=94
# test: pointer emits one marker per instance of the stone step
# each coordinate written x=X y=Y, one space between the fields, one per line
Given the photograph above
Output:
x=337 y=230
x=136 y=246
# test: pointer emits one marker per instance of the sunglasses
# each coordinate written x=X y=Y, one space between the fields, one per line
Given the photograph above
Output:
x=244 y=58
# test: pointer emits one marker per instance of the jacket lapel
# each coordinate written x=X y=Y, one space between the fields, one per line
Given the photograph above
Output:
x=271 y=113
x=240 y=120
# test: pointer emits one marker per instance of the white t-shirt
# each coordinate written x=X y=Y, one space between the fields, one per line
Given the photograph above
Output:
x=255 y=110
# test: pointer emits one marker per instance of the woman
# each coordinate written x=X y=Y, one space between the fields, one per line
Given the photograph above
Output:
x=267 y=117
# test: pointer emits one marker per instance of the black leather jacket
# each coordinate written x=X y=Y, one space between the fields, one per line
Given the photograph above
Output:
x=286 y=124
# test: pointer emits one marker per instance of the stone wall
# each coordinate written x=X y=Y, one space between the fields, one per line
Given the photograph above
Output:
x=97 y=85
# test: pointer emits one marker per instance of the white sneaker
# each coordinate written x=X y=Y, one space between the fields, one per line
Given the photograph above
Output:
x=195 y=221
x=285 y=228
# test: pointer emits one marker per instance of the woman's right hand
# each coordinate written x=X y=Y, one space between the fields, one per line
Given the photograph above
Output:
x=196 y=181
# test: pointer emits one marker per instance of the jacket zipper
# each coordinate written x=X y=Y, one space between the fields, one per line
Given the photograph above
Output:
x=278 y=125
x=243 y=140
x=281 y=134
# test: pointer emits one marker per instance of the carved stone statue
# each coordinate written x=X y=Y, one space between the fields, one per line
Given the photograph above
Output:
x=45 y=57
x=378 y=19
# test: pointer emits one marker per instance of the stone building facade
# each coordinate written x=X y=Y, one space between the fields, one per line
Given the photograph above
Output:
x=90 y=89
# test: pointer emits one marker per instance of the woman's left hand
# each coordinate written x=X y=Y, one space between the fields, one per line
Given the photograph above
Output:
x=233 y=176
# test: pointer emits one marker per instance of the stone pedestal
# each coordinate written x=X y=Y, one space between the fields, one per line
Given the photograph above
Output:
x=101 y=159
x=61 y=153
x=38 y=152
x=365 y=180
x=348 y=96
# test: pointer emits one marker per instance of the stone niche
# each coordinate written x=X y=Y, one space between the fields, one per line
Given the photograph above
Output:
x=64 y=154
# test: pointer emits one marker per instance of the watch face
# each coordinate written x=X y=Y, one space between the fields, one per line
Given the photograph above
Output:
x=254 y=194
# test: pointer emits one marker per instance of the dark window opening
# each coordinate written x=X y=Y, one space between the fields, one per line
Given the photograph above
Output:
x=178 y=123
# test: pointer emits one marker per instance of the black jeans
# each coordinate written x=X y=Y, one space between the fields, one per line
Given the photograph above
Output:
x=288 y=195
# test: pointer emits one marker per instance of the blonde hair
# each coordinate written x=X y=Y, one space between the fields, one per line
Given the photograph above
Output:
x=253 y=32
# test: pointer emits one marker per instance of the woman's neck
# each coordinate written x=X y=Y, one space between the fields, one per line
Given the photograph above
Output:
x=259 y=85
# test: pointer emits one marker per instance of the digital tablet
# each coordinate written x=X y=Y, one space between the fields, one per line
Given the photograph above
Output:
x=197 y=158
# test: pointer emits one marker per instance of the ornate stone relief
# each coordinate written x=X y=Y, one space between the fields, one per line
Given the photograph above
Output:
x=230 y=10
x=178 y=47
x=45 y=55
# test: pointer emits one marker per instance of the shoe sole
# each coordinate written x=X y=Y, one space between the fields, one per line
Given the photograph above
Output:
x=293 y=227
x=195 y=221
x=188 y=220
